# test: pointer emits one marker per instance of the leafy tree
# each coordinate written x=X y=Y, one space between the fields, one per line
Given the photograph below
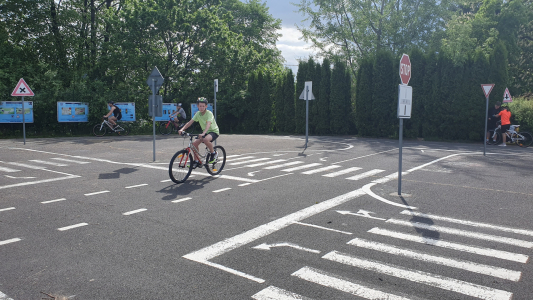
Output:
x=289 y=103
x=363 y=100
x=322 y=102
x=340 y=106
x=383 y=95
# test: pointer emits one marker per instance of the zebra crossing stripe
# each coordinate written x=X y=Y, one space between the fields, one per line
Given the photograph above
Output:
x=438 y=281
x=9 y=170
x=266 y=162
x=272 y=292
x=9 y=208
x=333 y=281
x=301 y=167
x=72 y=161
x=470 y=234
x=292 y=163
x=321 y=169
x=26 y=166
x=521 y=258
x=469 y=223
x=238 y=158
x=342 y=172
x=453 y=263
x=248 y=161
x=48 y=163
x=365 y=174
x=9 y=242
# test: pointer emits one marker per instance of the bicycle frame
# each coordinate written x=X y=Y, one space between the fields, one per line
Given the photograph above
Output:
x=512 y=135
x=194 y=150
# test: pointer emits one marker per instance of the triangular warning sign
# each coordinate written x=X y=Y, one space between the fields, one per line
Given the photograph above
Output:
x=507 y=96
x=22 y=89
x=487 y=88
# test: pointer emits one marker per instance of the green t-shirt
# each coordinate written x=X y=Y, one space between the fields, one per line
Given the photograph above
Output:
x=207 y=117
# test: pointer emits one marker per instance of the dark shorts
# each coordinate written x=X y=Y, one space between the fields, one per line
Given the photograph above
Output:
x=491 y=125
x=119 y=116
x=505 y=128
x=213 y=135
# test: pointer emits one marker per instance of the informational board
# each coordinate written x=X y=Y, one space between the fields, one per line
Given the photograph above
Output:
x=128 y=111
x=72 y=112
x=11 y=111
x=405 y=101
x=194 y=108
x=168 y=109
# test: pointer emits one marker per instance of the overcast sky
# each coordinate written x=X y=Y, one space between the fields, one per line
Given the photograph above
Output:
x=290 y=44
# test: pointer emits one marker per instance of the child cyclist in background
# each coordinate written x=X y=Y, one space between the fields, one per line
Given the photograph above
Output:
x=209 y=133
x=505 y=115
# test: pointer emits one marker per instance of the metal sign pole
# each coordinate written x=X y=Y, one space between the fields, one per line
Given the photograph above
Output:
x=485 y=133
x=215 y=89
x=400 y=159
x=306 y=115
x=153 y=112
x=23 y=121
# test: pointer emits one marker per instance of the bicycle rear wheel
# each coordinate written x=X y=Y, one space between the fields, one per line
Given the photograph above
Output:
x=99 y=130
x=216 y=167
x=180 y=166
x=165 y=128
x=524 y=139
x=122 y=130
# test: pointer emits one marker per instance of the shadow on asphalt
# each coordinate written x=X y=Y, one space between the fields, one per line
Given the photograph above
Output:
x=424 y=220
x=174 y=191
x=116 y=174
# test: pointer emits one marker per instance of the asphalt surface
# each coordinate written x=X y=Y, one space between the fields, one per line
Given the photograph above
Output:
x=96 y=218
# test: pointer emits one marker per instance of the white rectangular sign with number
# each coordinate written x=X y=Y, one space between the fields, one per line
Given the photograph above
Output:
x=405 y=101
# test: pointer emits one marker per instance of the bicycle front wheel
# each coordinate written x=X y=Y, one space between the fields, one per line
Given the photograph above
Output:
x=165 y=128
x=99 y=130
x=180 y=166
x=215 y=167
x=495 y=137
x=524 y=139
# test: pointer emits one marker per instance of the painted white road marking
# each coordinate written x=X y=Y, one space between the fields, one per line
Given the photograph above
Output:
x=72 y=226
x=274 y=293
x=444 y=261
x=9 y=208
x=329 y=280
x=167 y=180
x=245 y=184
x=267 y=247
x=56 y=200
x=342 y=172
x=365 y=174
x=442 y=282
x=266 y=163
x=4 y=297
x=9 y=170
x=134 y=186
x=521 y=258
x=221 y=190
x=238 y=158
x=366 y=189
x=37 y=182
x=321 y=227
x=96 y=193
x=469 y=223
x=301 y=167
x=13 y=177
x=321 y=169
x=470 y=234
x=48 y=163
x=72 y=161
x=181 y=200
x=252 y=173
x=9 y=242
x=360 y=213
x=234 y=155
x=26 y=166
x=248 y=161
x=205 y=254
x=134 y=211
x=367 y=155
x=292 y=163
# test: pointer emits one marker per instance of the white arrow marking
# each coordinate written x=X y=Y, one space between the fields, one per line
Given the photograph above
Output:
x=266 y=246
x=252 y=173
x=360 y=213
x=323 y=158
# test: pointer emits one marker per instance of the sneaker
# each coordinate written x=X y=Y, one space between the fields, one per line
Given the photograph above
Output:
x=194 y=165
x=213 y=158
x=503 y=145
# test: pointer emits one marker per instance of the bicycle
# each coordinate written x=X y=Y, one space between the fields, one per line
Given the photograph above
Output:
x=101 y=129
x=166 y=128
x=522 y=139
x=182 y=163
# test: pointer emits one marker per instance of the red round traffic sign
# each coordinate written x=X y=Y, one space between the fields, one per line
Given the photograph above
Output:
x=405 y=69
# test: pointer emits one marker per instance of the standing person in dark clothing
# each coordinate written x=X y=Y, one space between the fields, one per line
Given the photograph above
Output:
x=491 y=121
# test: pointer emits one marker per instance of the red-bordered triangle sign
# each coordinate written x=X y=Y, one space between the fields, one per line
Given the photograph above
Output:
x=22 y=89
x=487 y=88
x=507 y=96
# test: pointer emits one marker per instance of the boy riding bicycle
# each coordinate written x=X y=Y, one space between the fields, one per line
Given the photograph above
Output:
x=209 y=133
x=178 y=116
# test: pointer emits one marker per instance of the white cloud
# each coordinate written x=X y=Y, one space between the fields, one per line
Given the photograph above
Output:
x=292 y=46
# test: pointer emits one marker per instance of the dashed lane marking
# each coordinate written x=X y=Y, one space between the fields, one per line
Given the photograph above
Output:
x=134 y=211
x=221 y=190
x=134 y=186
x=96 y=193
x=9 y=208
x=181 y=200
x=72 y=226
x=56 y=200
x=9 y=242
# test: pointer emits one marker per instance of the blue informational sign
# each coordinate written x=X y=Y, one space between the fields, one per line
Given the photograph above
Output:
x=194 y=108
x=128 y=111
x=168 y=109
x=72 y=112
x=11 y=111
